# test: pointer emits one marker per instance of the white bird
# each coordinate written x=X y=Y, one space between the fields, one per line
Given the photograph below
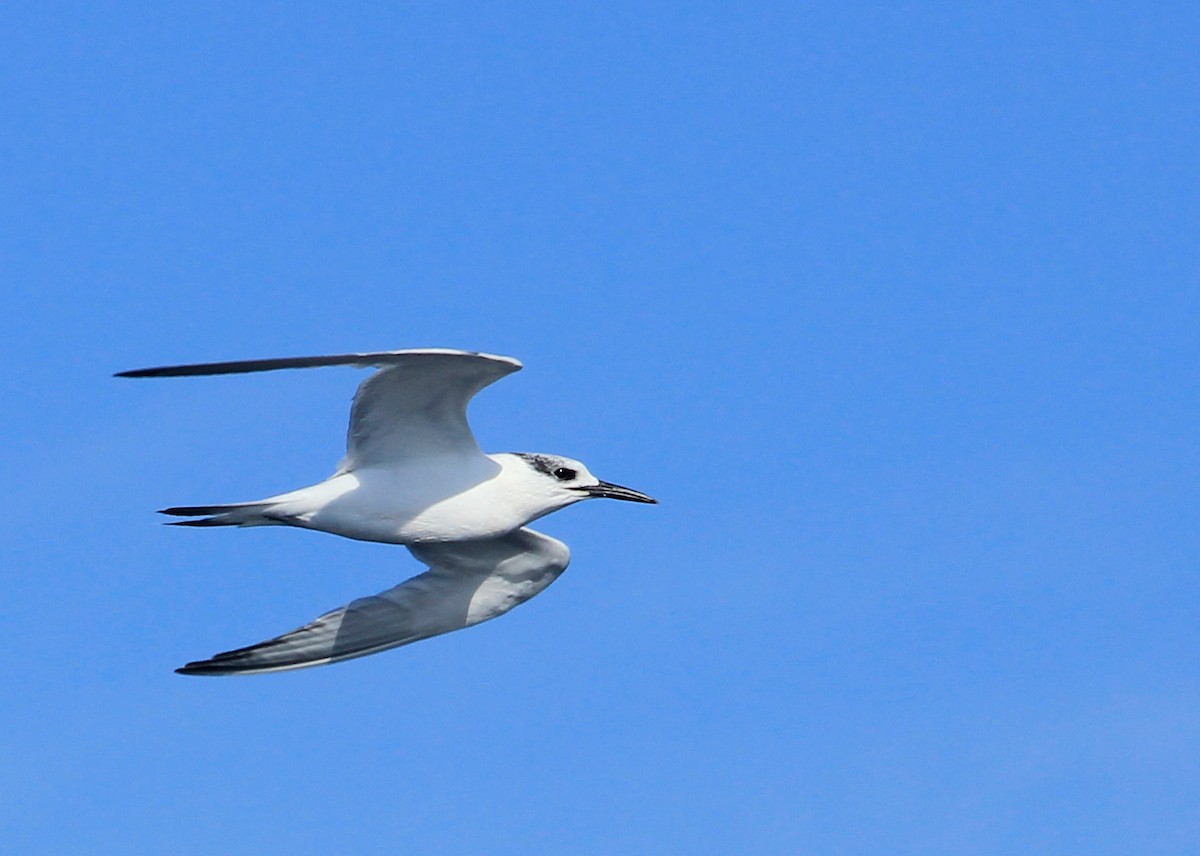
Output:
x=413 y=475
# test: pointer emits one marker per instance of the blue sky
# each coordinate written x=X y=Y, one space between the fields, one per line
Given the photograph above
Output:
x=895 y=310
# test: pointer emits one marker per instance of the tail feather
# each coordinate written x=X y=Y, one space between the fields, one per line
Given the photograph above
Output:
x=233 y=514
x=200 y=510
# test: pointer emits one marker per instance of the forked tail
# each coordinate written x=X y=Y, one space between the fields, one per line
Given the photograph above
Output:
x=234 y=514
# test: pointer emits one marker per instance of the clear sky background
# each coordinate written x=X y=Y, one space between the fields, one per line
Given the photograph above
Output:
x=894 y=308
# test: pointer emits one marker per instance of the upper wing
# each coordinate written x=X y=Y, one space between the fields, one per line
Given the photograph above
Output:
x=415 y=406
x=467 y=582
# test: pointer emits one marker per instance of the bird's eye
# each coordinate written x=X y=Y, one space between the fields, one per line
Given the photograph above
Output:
x=564 y=474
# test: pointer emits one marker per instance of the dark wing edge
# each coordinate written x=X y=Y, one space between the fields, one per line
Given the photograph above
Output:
x=363 y=360
x=287 y=652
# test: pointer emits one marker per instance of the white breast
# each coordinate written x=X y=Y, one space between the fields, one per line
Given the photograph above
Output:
x=430 y=500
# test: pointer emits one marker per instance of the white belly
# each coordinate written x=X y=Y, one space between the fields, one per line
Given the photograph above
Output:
x=425 y=502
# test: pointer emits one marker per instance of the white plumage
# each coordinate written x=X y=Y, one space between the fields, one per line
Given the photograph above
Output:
x=412 y=474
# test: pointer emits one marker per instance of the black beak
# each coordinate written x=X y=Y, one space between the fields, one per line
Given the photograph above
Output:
x=615 y=491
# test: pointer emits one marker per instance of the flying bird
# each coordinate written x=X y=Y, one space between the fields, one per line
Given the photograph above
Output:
x=412 y=474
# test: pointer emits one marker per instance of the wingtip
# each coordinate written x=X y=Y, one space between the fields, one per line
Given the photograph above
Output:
x=203 y=667
x=156 y=371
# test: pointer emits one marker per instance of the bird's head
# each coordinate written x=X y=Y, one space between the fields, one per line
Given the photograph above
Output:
x=563 y=481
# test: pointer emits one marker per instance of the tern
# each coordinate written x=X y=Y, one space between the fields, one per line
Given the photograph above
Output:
x=414 y=475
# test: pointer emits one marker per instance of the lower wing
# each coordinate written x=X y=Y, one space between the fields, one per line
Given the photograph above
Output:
x=467 y=582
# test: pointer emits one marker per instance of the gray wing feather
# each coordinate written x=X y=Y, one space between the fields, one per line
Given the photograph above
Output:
x=414 y=406
x=467 y=582
x=363 y=360
x=417 y=408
